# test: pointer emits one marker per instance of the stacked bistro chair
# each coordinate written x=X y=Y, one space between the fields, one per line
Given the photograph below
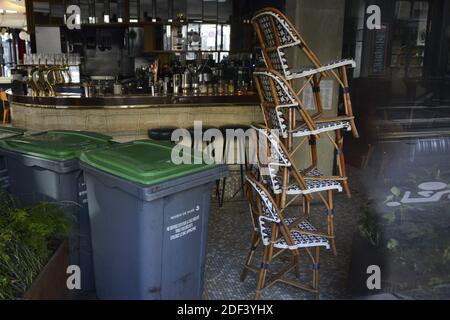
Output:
x=276 y=34
x=279 y=234
x=275 y=183
x=281 y=175
x=278 y=101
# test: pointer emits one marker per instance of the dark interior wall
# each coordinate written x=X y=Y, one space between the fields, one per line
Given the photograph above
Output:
x=106 y=51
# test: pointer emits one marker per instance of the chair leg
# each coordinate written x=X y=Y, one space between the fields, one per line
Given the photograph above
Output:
x=313 y=151
x=222 y=192
x=267 y=256
x=348 y=101
x=297 y=266
x=242 y=180
x=251 y=253
x=316 y=269
x=330 y=221
x=306 y=207
x=341 y=161
x=218 y=190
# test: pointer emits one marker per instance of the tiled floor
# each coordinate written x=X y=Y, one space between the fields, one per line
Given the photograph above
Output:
x=229 y=240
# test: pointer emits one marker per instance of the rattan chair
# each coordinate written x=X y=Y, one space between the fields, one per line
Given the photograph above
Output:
x=276 y=34
x=284 y=111
x=278 y=234
x=288 y=183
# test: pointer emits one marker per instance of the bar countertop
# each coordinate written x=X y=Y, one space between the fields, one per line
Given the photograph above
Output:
x=134 y=101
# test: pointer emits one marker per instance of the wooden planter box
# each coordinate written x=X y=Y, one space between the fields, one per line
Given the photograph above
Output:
x=50 y=284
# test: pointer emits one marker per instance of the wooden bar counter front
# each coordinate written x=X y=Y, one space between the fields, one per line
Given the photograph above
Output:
x=130 y=117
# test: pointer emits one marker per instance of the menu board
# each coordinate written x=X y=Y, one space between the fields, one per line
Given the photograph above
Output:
x=380 y=41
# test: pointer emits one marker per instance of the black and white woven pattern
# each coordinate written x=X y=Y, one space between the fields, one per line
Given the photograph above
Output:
x=299 y=240
x=323 y=127
x=287 y=36
x=278 y=63
x=277 y=121
x=279 y=155
x=266 y=28
x=284 y=95
x=269 y=210
x=265 y=83
x=312 y=185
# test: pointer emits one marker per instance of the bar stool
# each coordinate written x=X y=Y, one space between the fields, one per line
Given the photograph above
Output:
x=161 y=134
x=229 y=153
x=6 y=109
x=226 y=154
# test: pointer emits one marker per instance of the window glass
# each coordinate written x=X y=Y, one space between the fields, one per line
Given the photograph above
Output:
x=208 y=34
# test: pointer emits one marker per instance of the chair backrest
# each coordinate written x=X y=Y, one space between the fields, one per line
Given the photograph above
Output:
x=275 y=95
x=275 y=32
x=269 y=208
x=270 y=216
x=277 y=156
x=265 y=27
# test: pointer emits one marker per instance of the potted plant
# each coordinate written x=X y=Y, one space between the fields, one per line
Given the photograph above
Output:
x=33 y=250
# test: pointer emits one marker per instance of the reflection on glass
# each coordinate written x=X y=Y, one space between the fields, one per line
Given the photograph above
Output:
x=208 y=34
x=225 y=11
x=408 y=41
x=209 y=10
x=194 y=9
x=226 y=36
x=194 y=37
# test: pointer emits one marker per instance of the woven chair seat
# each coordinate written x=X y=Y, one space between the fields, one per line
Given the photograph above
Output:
x=312 y=184
x=300 y=240
x=323 y=127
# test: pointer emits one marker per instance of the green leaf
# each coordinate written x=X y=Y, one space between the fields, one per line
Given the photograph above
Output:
x=392 y=244
x=396 y=191
x=390 y=217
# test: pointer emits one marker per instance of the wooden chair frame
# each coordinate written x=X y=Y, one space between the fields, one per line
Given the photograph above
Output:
x=273 y=45
x=290 y=172
x=279 y=230
x=296 y=107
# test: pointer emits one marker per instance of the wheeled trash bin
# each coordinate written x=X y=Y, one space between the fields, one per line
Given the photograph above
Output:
x=44 y=167
x=5 y=133
x=149 y=220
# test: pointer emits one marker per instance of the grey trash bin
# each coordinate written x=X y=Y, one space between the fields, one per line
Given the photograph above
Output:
x=149 y=220
x=6 y=133
x=44 y=167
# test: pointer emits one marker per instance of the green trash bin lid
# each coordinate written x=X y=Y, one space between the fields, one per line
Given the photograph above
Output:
x=145 y=162
x=59 y=145
x=9 y=132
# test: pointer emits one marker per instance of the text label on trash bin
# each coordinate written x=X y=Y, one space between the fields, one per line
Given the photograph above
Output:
x=184 y=227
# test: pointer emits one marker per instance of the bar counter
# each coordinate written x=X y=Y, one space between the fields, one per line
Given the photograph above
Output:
x=129 y=117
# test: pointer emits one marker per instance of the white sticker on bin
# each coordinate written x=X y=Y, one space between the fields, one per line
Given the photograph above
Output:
x=183 y=228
